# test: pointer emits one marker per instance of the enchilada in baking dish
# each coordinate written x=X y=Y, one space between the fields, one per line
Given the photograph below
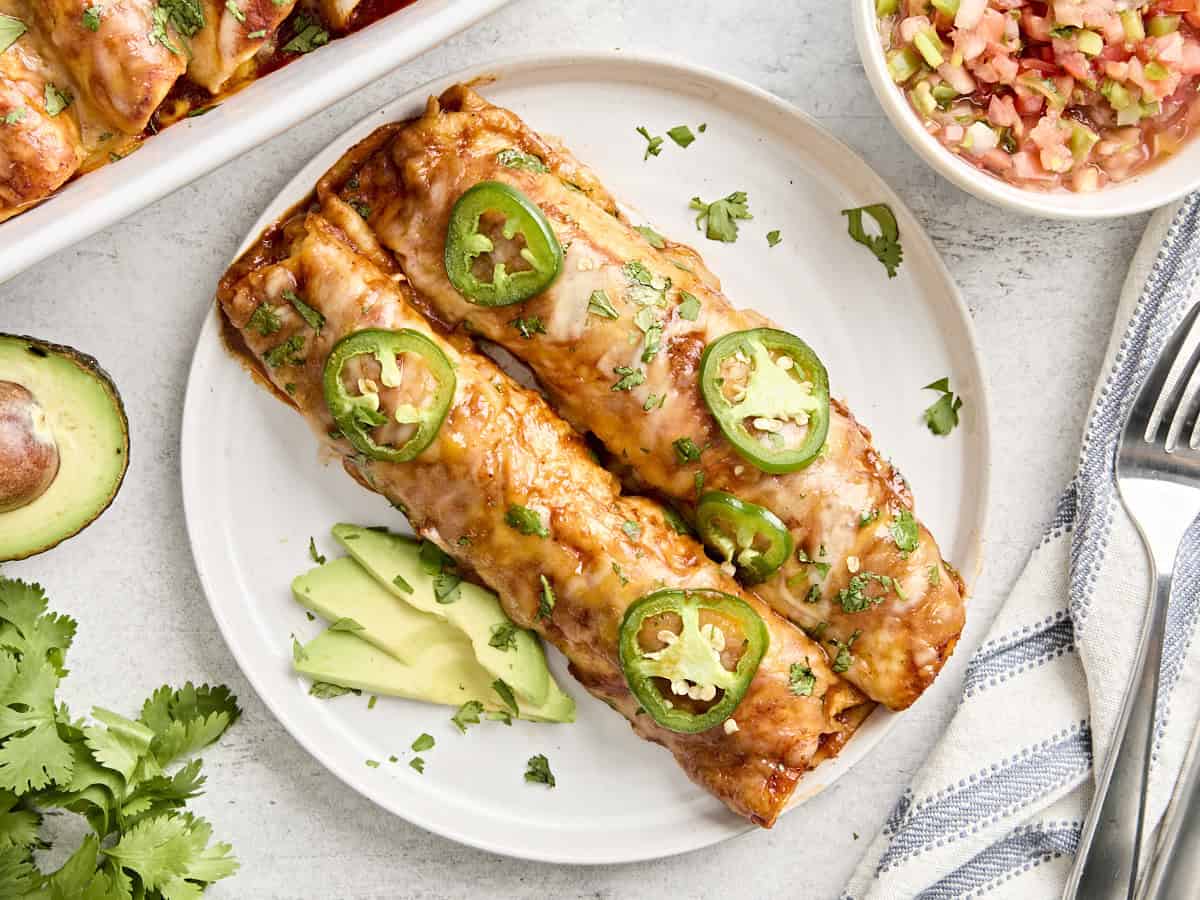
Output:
x=84 y=82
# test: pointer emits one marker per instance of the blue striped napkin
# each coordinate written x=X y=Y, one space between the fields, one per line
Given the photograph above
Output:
x=997 y=807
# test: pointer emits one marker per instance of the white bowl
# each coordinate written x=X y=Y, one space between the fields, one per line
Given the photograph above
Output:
x=1165 y=182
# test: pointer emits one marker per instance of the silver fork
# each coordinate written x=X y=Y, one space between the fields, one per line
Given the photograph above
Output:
x=1158 y=478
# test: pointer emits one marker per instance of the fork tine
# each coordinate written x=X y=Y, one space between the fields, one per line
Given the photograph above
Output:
x=1159 y=394
x=1184 y=420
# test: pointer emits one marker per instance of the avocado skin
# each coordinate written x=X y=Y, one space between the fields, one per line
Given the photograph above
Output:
x=94 y=370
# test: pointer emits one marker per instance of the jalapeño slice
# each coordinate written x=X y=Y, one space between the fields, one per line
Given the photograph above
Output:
x=769 y=393
x=541 y=256
x=357 y=415
x=751 y=537
x=684 y=685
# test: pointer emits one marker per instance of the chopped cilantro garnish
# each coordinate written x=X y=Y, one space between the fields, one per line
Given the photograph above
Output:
x=286 y=353
x=527 y=327
x=160 y=18
x=773 y=238
x=312 y=318
x=844 y=659
x=324 y=690
x=653 y=143
x=13 y=116
x=186 y=16
x=468 y=714
x=361 y=208
x=942 y=416
x=854 y=598
x=689 y=306
x=686 y=450
x=345 y=623
x=801 y=679
x=446 y=587
x=56 y=100
x=619 y=572
x=418 y=764
x=525 y=520
x=264 y=320
x=653 y=238
x=654 y=401
x=91 y=18
x=423 y=743
x=537 y=771
x=500 y=686
x=504 y=636
x=722 y=216
x=681 y=135
x=703 y=127
x=516 y=159
x=630 y=378
x=886 y=244
x=371 y=703
x=400 y=582
x=308 y=35
x=546 y=599
x=632 y=529
x=257 y=34
x=905 y=531
x=600 y=305
x=933 y=576
x=313 y=554
x=299 y=654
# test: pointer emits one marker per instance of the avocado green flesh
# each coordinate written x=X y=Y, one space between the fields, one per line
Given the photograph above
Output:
x=438 y=666
x=342 y=589
x=84 y=412
x=475 y=612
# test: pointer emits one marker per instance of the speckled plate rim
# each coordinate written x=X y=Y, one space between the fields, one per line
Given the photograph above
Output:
x=620 y=67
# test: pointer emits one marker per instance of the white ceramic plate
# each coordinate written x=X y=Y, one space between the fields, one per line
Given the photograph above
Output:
x=194 y=147
x=254 y=488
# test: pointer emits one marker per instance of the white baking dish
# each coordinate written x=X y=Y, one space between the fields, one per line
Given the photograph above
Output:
x=194 y=147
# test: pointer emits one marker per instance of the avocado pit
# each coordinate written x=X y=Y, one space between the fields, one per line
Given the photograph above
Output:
x=28 y=452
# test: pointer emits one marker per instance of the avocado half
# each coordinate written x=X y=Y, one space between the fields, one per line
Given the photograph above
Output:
x=64 y=444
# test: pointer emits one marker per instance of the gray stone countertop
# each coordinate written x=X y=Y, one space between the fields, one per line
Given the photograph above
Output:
x=1042 y=295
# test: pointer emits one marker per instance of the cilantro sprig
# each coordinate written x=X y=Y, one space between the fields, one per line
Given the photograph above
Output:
x=111 y=770
x=722 y=216
x=885 y=245
x=942 y=416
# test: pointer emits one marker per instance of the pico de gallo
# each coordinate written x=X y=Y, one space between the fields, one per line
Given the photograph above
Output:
x=1050 y=94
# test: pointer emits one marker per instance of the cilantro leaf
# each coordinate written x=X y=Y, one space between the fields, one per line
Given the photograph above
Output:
x=418 y=764
x=885 y=245
x=774 y=238
x=346 y=624
x=630 y=378
x=600 y=305
x=942 y=416
x=170 y=851
x=307 y=35
x=546 y=600
x=325 y=690
x=423 y=743
x=653 y=238
x=186 y=16
x=525 y=520
x=56 y=100
x=91 y=17
x=312 y=318
x=527 y=327
x=504 y=636
x=316 y=557
x=844 y=659
x=537 y=771
x=689 y=307
x=286 y=353
x=18 y=823
x=801 y=679
x=189 y=719
x=653 y=143
x=905 y=531
x=264 y=320
x=686 y=450
x=500 y=686
x=118 y=743
x=722 y=216
x=468 y=714
x=681 y=135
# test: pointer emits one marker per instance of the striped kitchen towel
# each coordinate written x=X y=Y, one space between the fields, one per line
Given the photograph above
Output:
x=996 y=809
